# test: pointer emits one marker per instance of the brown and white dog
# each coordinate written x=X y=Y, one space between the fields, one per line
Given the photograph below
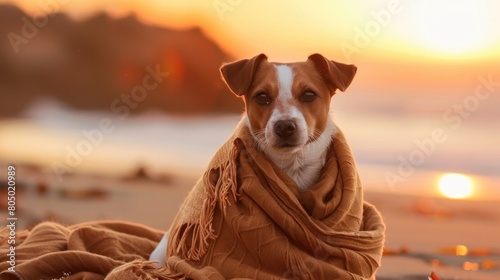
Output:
x=287 y=109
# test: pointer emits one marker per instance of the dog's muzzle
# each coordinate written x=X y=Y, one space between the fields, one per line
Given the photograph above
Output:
x=286 y=132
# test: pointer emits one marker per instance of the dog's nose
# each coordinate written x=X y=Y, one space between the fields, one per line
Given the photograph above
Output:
x=285 y=128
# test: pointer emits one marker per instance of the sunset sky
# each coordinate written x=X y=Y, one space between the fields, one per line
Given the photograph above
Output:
x=290 y=29
x=442 y=41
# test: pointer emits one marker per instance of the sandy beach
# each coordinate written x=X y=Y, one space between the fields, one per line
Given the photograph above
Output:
x=456 y=239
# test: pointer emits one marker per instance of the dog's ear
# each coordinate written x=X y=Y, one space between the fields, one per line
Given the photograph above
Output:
x=337 y=75
x=238 y=75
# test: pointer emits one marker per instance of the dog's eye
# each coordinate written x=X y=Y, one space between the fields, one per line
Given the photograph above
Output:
x=308 y=96
x=263 y=98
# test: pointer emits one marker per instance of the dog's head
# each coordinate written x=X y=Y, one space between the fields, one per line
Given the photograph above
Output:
x=287 y=104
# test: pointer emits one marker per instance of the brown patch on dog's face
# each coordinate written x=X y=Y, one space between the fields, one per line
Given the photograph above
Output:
x=264 y=82
x=316 y=113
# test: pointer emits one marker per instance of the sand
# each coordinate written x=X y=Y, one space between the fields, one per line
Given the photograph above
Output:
x=422 y=233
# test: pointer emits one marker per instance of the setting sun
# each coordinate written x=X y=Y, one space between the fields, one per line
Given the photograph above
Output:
x=451 y=27
x=456 y=186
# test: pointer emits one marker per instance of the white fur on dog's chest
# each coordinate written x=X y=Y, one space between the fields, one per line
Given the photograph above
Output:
x=303 y=172
x=304 y=166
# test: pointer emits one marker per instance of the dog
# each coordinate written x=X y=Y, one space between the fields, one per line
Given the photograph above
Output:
x=287 y=110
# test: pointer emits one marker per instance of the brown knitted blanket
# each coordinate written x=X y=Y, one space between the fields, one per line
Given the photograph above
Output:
x=247 y=219
x=111 y=250
x=244 y=219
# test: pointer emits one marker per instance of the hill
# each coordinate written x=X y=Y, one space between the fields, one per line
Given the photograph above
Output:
x=105 y=63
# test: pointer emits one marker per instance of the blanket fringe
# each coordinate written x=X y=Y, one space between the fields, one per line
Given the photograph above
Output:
x=228 y=177
x=143 y=270
x=217 y=190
